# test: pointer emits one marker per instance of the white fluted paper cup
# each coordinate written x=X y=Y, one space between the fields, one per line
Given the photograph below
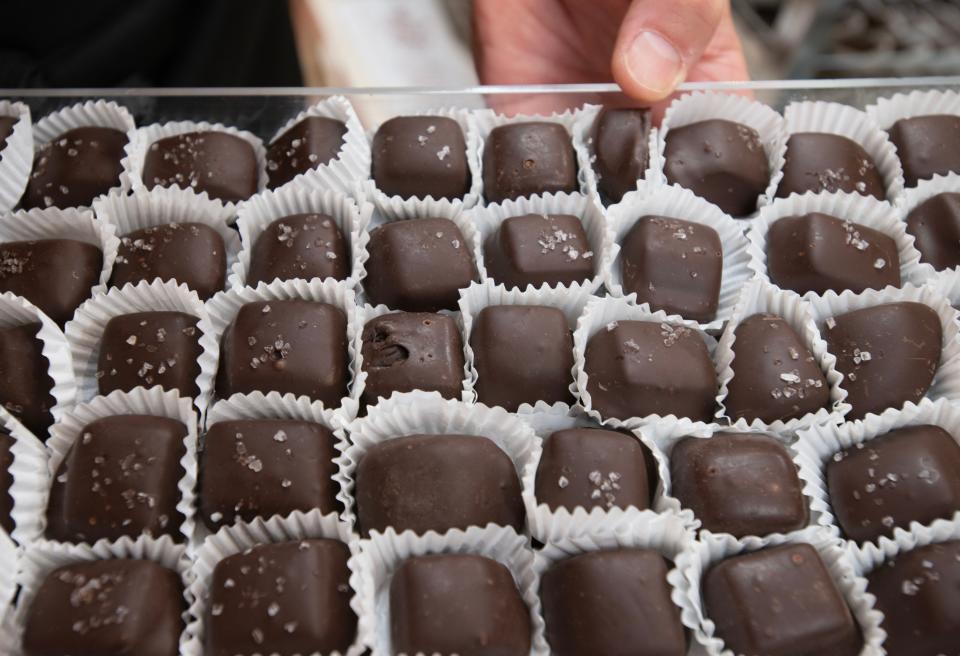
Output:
x=913 y=198
x=16 y=158
x=30 y=482
x=8 y=575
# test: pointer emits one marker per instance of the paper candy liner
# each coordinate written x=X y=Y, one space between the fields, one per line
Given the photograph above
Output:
x=30 y=483
x=946 y=284
x=704 y=106
x=164 y=205
x=599 y=314
x=42 y=559
x=16 y=158
x=859 y=210
x=712 y=548
x=265 y=208
x=92 y=113
x=55 y=223
x=143 y=137
x=946 y=381
x=85 y=331
x=818 y=444
x=427 y=413
x=835 y=118
x=224 y=308
x=397 y=207
x=759 y=297
x=17 y=311
x=489 y=218
x=367 y=313
x=382 y=554
x=916 y=196
x=479 y=296
x=8 y=574
x=347 y=171
x=676 y=202
x=231 y=540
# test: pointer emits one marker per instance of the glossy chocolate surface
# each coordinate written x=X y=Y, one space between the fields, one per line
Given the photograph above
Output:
x=538 y=249
x=621 y=146
x=310 y=143
x=927 y=146
x=299 y=246
x=935 y=226
x=420 y=156
x=818 y=161
x=219 y=163
x=527 y=159
x=25 y=385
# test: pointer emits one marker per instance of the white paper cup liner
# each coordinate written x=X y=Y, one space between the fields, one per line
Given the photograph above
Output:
x=835 y=118
x=489 y=218
x=428 y=413
x=916 y=196
x=86 y=330
x=231 y=540
x=41 y=559
x=676 y=202
x=30 y=482
x=263 y=209
x=712 y=548
x=479 y=296
x=92 y=113
x=16 y=158
x=142 y=138
x=346 y=172
x=759 y=297
x=164 y=205
x=704 y=106
x=946 y=284
x=8 y=574
x=946 y=381
x=397 y=207
x=224 y=308
x=598 y=315
x=382 y=554
x=859 y=210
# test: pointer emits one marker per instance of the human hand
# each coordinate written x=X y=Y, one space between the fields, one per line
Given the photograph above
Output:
x=647 y=46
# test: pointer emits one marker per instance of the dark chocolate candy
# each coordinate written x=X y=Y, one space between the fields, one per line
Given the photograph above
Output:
x=775 y=376
x=544 y=373
x=144 y=349
x=293 y=347
x=526 y=159
x=818 y=161
x=190 y=253
x=119 y=478
x=918 y=593
x=457 y=604
x=221 y=164
x=594 y=468
x=299 y=246
x=721 y=161
x=6 y=129
x=611 y=602
x=437 y=482
x=935 y=226
x=263 y=467
x=56 y=275
x=642 y=368
x=6 y=481
x=312 y=142
x=621 y=146
x=738 y=483
x=76 y=167
x=105 y=608
x=674 y=265
x=537 y=249
x=406 y=351
x=888 y=354
x=779 y=601
x=285 y=598
x=908 y=475
x=420 y=156
x=25 y=384
x=418 y=265
x=818 y=253
x=927 y=146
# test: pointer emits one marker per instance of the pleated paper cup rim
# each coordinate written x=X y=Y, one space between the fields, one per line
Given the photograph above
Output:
x=712 y=548
x=759 y=297
x=256 y=215
x=890 y=109
x=946 y=284
x=916 y=196
x=677 y=202
x=85 y=331
x=8 y=573
x=383 y=553
x=232 y=540
x=16 y=158
x=30 y=485
x=859 y=210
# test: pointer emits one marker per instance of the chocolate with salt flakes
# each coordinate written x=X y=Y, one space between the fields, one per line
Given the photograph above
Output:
x=824 y=162
x=310 y=143
x=309 y=245
x=935 y=227
x=25 y=384
x=927 y=146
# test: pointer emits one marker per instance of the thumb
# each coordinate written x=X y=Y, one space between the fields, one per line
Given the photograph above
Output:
x=659 y=41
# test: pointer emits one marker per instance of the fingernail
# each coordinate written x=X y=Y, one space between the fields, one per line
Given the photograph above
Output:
x=654 y=63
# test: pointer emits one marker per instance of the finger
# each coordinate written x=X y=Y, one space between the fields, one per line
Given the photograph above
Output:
x=660 y=41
